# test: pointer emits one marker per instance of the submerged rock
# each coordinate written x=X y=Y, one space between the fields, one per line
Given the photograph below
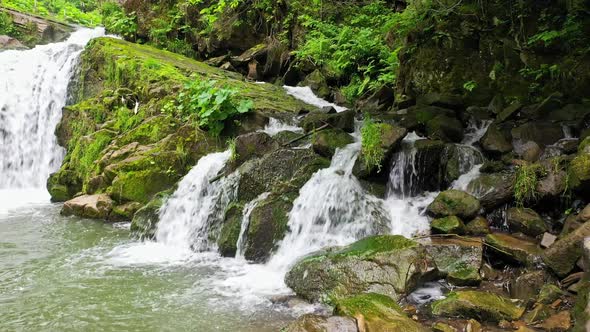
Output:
x=89 y=206
x=454 y=203
x=376 y=312
x=477 y=304
x=387 y=264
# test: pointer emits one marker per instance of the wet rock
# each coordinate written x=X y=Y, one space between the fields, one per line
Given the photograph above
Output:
x=547 y=240
x=448 y=225
x=315 y=323
x=559 y=322
x=343 y=120
x=125 y=211
x=416 y=117
x=538 y=313
x=553 y=185
x=145 y=220
x=63 y=185
x=529 y=151
x=457 y=259
x=526 y=221
x=458 y=159
x=253 y=145
x=454 y=203
x=390 y=138
x=477 y=226
x=445 y=128
x=376 y=312
x=509 y=111
x=377 y=102
x=477 y=304
x=317 y=82
x=445 y=100
x=327 y=141
x=443 y=327
x=562 y=256
x=89 y=206
x=542 y=133
x=493 y=190
x=496 y=140
x=230 y=231
x=9 y=43
x=526 y=286
x=549 y=293
x=579 y=173
x=492 y=166
x=515 y=249
x=388 y=264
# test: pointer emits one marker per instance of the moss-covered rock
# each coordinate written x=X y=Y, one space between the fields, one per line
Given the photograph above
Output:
x=526 y=221
x=454 y=203
x=145 y=220
x=343 y=120
x=579 y=173
x=317 y=82
x=125 y=211
x=141 y=186
x=549 y=293
x=253 y=145
x=316 y=323
x=477 y=304
x=562 y=256
x=327 y=141
x=448 y=225
x=478 y=226
x=493 y=190
x=230 y=232
x=459 y=260
x=376 y=312
x=496 y=140
x=514 y=249
x=388 y=264
x=445 y=128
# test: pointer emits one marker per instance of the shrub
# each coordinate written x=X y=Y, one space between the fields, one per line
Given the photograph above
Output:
x=527 y=178
x=208 y=104
x=372 y=153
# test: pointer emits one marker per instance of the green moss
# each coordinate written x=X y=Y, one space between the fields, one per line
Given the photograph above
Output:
x=87 y=150
x=230 y=232
x=448 y=225
x=140 y=186
x=527 y=178
x=371 y=137
x=579 y=171
x=477 y=304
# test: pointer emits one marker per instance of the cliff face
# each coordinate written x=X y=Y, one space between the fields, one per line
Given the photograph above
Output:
x=33 y=30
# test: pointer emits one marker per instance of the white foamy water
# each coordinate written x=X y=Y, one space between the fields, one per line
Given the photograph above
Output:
x=33 y=91
x=275 y=126
x=14 y=200
x=475 y=131
x=305 y=94
x=187 y=217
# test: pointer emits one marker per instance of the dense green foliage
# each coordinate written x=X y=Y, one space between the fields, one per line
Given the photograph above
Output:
x=372 y=153
x=75 y=11
x=208 y=104
x=527 y=178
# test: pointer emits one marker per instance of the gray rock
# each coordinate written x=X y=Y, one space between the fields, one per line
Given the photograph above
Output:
x=89 y=206
x=526 y=221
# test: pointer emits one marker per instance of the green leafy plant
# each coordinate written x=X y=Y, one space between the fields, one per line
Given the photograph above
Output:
x=372 y=153
x=208 y=104
x=116 y=21
x=470 y=85
x=231 y=144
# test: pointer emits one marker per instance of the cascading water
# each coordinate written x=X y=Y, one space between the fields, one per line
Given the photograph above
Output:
x=276 y=126
x=33 y=91
x=187 y=218
x=305 y=94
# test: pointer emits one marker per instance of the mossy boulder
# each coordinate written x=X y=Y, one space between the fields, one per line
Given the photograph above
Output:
x=454 y=203
x=478 y=226
x=317 y=82
x=549 y=293
x=514 y=249
x=141 y=186
x=493 y=190
x=445 y=128
x=389 y=139
x=496 y=140
x=387 y=264
x=125 y=211
x=562 y=255
x=376 y=312
x=579 y=173
x=230 y=232
x=343 y=120
x=479 y=305
x=327 y=141
x=145 y=220
x=526 y=221
x=459 y=260
x=448 y=225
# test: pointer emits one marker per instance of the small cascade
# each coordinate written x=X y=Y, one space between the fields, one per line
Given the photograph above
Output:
x=189 y=217
x=475 y=131
x=248 y=208
x=33 y=91
x=305 y=94
x=406 y=176
x=276 y=126
x=332 y=209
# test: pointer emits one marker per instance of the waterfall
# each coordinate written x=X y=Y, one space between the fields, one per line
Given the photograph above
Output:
x=188 y=218
x=33 y=91
x=275 y=126
x=305 y=94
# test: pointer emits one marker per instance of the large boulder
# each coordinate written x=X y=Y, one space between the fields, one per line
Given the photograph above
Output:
x=445 y=128
x=343 y=120
x=454 y=203
x=327 y=141
x=479 y=305
x=9 y=43
x=562 y=256
x=448 y=225
x=542 y=133
x=493 y=190
x=317 y=82
x=518 y=250
x=579 y=173
x=387 y=264
x=390 y=137
x=376 y=312
x=89 y=206
x=496 y=140
x=526 y=221
x=253 y=145
x=458 y=259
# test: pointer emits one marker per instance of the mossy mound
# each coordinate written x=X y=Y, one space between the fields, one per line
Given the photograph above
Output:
x=454 y=202
x=376 y=312
x=477 y=304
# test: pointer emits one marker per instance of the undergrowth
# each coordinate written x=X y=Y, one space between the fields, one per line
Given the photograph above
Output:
x=527 y=178
x=372 y=153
